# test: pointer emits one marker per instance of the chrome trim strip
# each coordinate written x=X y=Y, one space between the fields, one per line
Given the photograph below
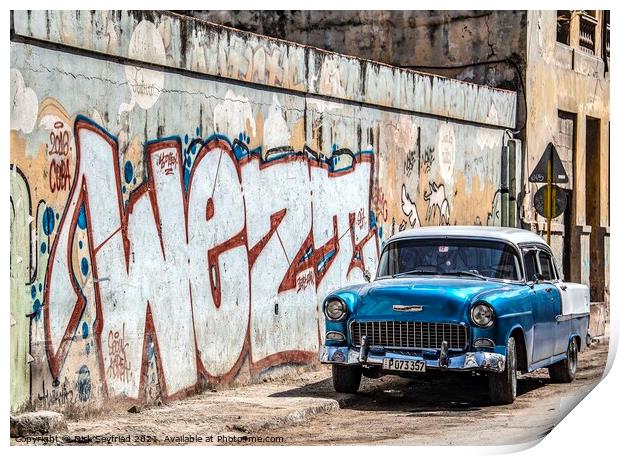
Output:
x=484 y=346
x=403 y=308
x=341 y=336
x=515 y=314
x=560 y=318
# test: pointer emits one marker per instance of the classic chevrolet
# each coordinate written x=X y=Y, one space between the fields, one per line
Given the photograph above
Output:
x=454 y=299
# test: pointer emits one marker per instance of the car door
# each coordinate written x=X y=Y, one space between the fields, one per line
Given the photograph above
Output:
x=545 y=303
x=550 y=273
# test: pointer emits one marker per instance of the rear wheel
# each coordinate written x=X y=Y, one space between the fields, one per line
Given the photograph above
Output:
x=346 y=379
x=503 y=385
x=565 y=370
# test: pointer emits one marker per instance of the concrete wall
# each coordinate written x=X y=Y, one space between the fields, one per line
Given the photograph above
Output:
x=184 y=196
x=400 y=38
x=439 y=42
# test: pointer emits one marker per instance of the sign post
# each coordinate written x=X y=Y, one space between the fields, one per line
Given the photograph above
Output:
x=550 y=200
x=548 y=205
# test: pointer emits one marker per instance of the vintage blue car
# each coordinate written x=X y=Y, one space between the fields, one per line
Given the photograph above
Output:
x=453 y=299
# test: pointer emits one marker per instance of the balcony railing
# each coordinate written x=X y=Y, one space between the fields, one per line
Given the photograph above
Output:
x=607 y=38
x=563 y=26
x=587 y=33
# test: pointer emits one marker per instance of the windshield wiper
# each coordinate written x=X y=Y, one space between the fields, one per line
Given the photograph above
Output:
x=415 y=271
x=467 y=273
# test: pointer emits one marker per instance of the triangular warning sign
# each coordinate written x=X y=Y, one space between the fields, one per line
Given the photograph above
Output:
x=558 y=173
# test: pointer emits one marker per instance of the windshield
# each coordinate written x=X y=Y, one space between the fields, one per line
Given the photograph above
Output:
x=491 y=259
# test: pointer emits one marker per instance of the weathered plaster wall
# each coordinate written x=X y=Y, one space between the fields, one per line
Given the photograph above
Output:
x=400 y=38
x=562 y=78
x=184 y=196
x=472 y=46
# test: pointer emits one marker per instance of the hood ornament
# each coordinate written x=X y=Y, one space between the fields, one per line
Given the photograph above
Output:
x=412 y=308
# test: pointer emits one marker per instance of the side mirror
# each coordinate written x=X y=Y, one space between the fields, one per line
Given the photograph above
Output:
x=537 y=277
x=366 y=275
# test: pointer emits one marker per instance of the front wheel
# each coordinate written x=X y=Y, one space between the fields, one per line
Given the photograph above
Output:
x=346 y=379
x=503 y=385
x=565 y=370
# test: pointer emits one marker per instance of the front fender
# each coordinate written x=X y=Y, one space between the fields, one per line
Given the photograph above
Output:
x=513 y=312
x=348 y=295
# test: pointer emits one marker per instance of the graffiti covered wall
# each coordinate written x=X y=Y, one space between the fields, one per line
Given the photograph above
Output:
x=184 y=196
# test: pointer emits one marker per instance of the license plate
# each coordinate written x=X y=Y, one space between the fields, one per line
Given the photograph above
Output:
x=404 y=365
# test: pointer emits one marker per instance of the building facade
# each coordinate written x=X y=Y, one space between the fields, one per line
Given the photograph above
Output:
x=556 y=61
x=568 y=104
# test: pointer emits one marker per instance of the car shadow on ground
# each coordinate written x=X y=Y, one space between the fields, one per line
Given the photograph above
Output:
x=418 y=396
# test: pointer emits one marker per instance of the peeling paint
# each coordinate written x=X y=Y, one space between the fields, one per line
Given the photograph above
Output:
x=192 y=239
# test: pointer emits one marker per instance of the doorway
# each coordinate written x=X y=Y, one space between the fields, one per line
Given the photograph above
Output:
x=593 y=208
x=566 y=150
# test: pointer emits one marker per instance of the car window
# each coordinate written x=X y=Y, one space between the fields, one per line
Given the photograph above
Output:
x=546 y=266
x=529 y=258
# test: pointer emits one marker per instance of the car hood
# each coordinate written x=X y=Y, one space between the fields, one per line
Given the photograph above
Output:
x=441 y=298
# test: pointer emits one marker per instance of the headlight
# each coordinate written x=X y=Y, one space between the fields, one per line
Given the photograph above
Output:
x=335 y=309
x=482 y=315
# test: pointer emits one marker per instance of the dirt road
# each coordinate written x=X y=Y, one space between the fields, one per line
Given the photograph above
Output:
x=303 y=409
x=451 y=411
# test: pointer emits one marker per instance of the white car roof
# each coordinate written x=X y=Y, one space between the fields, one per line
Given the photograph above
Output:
x=514 y=235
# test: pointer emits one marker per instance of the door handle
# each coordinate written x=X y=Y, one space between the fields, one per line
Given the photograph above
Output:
x=563 y=287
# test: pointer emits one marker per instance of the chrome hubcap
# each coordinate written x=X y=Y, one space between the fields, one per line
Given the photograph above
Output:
x=513 y=373
x=514 y=382
x=572 y=356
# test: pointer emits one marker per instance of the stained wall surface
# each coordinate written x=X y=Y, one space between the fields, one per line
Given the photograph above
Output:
x=183 y=196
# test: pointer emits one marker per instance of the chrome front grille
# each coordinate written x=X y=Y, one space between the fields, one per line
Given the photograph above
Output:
x=409 y=334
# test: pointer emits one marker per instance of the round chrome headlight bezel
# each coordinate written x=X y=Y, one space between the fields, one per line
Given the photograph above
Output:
x=482 y=314
x=335 y=309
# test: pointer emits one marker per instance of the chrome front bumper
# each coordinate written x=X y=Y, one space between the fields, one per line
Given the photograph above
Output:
x=469 y=361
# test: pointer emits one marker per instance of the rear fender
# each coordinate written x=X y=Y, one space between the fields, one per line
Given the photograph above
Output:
x=575 y=298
